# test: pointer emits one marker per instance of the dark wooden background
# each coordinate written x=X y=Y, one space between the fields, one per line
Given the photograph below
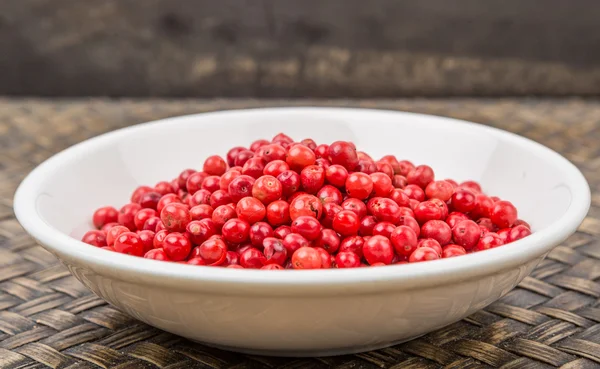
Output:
x=298 y=48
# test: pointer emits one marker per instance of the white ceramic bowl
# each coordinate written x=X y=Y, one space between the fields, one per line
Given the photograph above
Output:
x=300 y=313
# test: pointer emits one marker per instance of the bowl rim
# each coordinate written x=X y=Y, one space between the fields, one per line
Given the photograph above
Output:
x=181 y=276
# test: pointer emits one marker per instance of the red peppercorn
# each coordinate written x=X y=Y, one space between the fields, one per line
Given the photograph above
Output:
x=306 y=258
x=231 y=258
x=329 y=193
x=242 y=157
x=306 y=205
x=127 y=214
x=129 y=243
x=423 y=254
x=267 y=189
x=421 y=176
x=431 y=243
x=426 y=211
x=471 y=185
x=452 y=250
x=272 y=152
x=410 y=222
x=346 y=223
x=282 y=231
x=366 y=225
x=455 y=217
x=384 y=209
x=344 y=154
x=147 y=238
x=164 y=188
x=404 y=240
x=275 y=168
x=463 y=200
x=105 y=215
x=140 y=218
x=157 y=254
x=175 y=217
x=378 y=249
x=241 y=187
x=440 y=190
x=94 y=238
x=336 y=175
x=399 y=181
x=347 y=259
x=437 y=230
x=383 y=229
x=214 y=252
x=328 y=240
x=290 y=182
x=139 y=192
x=300 y=156
x=400 y=198
x=488 y=241
x=466 y=233
x=203 y=211
x=312 y=178
x=503 y=214
x=233 y=153
x=278 y=213
x=159 y=238
x=274 y=251
x=236 y=231
x=252 y=258
x=326 y=259
x=251 y=210
x=113 y=233
x=382 y=184
x=254 y=167
x=215 y=165
x=359 y=185
x=322 y=151
x=414 y=192
x=166 y=200
x=386 y=169
x=518 y=232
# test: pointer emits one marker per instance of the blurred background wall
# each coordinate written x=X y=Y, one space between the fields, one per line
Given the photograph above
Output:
x=294 y=48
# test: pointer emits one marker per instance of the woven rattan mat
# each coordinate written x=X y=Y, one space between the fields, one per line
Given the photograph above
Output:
x=48 y=319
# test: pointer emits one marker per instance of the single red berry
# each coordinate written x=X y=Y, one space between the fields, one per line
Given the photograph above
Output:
x=290 y=182
x=258 y=232
x=329 y=211
x=213 y=251
x=384 y=209
x=487 y=224
x=159 y=239
x=151 y=224
x=231 y=258
x=306 y=205
x=102 y=216
x=200 y=197
x=274 y=251
x=164 y=188
x=322 y=151
x=194 y=181
x=300 y=156
x=346 y=223
x=421 y=176
x=386 y=169
x=139 y=192
x=503 y=214
x=105 y=228
x=392 y=161
x=336 y=175
x=312 y=178
x=275 y=168
x=442 y=206
x=400 y=197
x=267 y=189
x=157 y=254
x=222 y=214
x=463 y=200
x=328 y=240
x=503 y=233
x=177 y=246
x=471 y=185
x=278 y=213
x=215 y=165
x=518 y=232
x=452 y=250
x=404 y=240
x=142 y=215
x=378 y=249
x=252 y=258
x=439 y=190
x=347 y=259
x=428 y=210
x=366 y=166
x=306 y=258
x=282 y=231
x=211 y=183
x=241 y=187
x=399 y=181
x=329 y=193
x=310 y=143
x=236 y=231
x=227 y=178
x=382 y=184
x=521 y=222
x=353 y=244
x=272 y=152
x=411 y=223
x=359 y=185
x=423 y=254
x=150 y=200
x=95 y=238
x=383 y=229
x=483 y=207
x=254 y=167
x=183 y=177
x=437 y=230
x=366 y=225
x=489 y=241
x=282 y=137
x=129 y=243
x=251 y=210
x=220 y=197
x=466 y=233
x=233 y=153
x=307 y=226
x=258 y=144
x=175 y=217
x=203 y=211
x=344 y=154
x=414 y=192
x=242 y=157
x=455 y=217
x=127 y=214
x=431 y=243
x=356 y=206
x=166 y=200
x=113 y=233
x=147 y=238
x=294 y=241
x=326 y=259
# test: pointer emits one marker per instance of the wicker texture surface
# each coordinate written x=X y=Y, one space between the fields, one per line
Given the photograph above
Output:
x=48 y=319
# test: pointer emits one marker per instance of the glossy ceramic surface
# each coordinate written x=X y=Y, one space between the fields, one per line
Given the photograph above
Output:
x=300 y=313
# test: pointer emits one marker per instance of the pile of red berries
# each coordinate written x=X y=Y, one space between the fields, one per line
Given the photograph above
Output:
x=282 y=204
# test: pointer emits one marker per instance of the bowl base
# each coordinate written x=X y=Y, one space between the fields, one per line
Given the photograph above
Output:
x=307 y=353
